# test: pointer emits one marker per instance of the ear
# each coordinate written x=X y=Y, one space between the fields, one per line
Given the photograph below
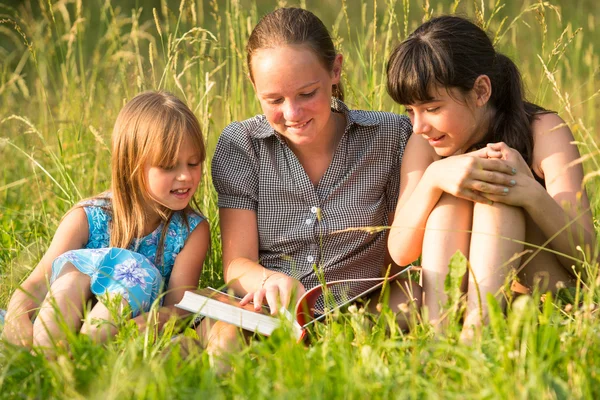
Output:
x=482 y=88
x=337 y=68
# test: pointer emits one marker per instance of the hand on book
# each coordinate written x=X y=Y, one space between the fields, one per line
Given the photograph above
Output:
x=278 y=290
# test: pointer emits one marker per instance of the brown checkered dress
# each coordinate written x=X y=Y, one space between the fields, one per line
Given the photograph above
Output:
x=298 y=222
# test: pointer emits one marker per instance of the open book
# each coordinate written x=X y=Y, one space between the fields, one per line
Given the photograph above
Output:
x=224 y=307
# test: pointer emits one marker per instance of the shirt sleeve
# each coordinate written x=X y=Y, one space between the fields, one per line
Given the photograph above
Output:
x=235 y=169
x=402 y=130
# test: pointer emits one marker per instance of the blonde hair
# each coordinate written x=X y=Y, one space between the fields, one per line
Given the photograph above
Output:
x=149 y=129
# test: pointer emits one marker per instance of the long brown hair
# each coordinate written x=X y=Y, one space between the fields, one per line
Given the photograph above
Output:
x=452 y=52
x=149 y=129
x=294 y=26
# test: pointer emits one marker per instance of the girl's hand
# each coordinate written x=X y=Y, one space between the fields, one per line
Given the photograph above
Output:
x=277 y=289
x=519 y=193
x=502 y=151
x=473 y=176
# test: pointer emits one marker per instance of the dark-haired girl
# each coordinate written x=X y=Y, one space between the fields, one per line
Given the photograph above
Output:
x=484 y=172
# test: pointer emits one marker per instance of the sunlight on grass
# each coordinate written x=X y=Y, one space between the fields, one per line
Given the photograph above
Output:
x=67 y=68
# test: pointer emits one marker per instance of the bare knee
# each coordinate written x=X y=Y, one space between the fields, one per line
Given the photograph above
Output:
x=41 y=336
x=219 y=337
x=498 y=217
x=90 y=328
x=447 y=229
x=450 y=210
x=72 y=282
x=98 y=330
x=498 y=234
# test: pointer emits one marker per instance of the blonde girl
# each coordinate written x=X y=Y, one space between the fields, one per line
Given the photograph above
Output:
x=131 y=242
x=483 y=172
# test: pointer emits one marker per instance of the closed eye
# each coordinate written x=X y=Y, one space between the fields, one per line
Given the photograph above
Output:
x=311 y=94
x=433 y=109
x=275 y=101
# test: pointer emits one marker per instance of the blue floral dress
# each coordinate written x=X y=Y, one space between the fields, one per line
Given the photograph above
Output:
x=133 y=273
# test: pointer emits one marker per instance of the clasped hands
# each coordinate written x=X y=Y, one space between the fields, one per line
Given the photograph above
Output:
x=495 y=173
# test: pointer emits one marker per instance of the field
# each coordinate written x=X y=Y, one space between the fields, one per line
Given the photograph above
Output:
x=67 y=67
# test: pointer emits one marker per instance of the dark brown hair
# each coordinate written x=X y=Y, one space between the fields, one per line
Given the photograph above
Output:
x=452 y=52
x=294 y=26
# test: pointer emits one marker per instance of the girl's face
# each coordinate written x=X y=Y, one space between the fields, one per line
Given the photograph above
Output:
x=451 y=126
x=294 y=90
x=173 y=186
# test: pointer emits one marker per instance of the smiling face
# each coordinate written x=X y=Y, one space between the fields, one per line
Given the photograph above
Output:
x=294 y=90
x=173 y=186
x=450 y=124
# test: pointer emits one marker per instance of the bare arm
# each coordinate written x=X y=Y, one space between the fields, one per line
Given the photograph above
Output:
x=562 y=209
x=241 y=270
x=423 y=179
x=185 y=275
x=417 y=199
x=239 y=235
x=387 y=261
x=72 y=233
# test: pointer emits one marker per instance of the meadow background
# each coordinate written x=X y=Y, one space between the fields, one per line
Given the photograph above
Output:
x=67 y=67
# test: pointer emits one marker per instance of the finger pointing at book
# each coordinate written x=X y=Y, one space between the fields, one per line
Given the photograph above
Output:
x=277 y=289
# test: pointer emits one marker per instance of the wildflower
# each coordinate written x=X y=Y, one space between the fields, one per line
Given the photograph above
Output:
x=568 y=307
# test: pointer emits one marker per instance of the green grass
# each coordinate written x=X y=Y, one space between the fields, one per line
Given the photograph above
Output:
x=67 y=67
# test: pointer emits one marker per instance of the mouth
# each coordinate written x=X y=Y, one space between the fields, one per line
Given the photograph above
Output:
x=180 y=193
x=435 y=140
x=298 y=126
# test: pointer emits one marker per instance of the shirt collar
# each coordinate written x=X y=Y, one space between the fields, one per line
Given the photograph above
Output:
x=352 y=116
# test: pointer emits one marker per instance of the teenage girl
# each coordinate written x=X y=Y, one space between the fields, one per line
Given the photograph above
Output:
x=126 y=244
x=484 y=172
x=291 y=179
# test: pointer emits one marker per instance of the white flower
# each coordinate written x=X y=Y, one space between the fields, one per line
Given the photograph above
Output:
x=129 y=273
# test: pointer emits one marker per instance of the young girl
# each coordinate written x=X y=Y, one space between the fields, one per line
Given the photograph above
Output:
x=157 y=156
x=291 y=179
x=484 y=172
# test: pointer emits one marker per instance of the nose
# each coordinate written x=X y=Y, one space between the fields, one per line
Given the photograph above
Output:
x=420 y=124
x=184 y=174
x=292 y=111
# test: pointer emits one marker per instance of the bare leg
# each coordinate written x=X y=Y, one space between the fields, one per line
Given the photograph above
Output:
x=447 y=231
x=62 y=307
x=220 y=338
x=99 y=323
x=543 y=270
x=492 y=255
